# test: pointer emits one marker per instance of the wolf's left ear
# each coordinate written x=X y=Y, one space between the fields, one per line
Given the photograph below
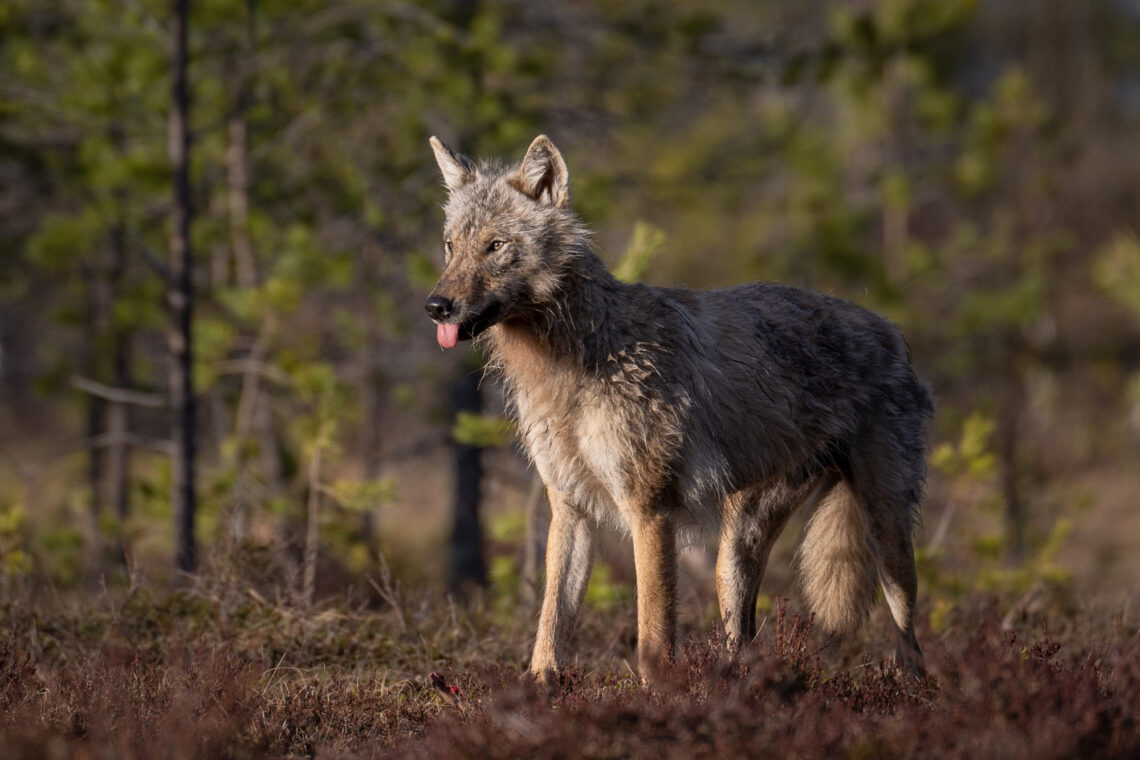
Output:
x=457 y=168
x=543 y=174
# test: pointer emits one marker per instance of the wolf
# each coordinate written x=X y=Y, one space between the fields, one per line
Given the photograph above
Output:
x=670 y=413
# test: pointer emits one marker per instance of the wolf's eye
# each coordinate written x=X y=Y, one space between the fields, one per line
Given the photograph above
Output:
x=495 y=245
x=447 y=247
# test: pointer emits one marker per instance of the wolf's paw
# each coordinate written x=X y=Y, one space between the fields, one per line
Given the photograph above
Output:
x=546 y=678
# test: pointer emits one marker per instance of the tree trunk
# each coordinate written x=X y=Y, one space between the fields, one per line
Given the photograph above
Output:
x=534 y=547
x=371 y=402
x=1009 y=428
x=312 y=530
x=96 y=412
x=371 y=380
x=468 y=568
x=896 y=211
x=118 y=420
x=254 y=417
x=180 y=295
x=96 y=419
x=237 y=180
x=237 y=156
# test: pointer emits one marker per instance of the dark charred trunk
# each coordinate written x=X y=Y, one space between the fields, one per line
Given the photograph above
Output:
x=371 y=380
x=118 y=422
x=371 y=401
x=237 y=156
x=1009 y=429
x=468 y=568
x=96 y=414
x=96 y=419
x=534 y=548
x=180 y=295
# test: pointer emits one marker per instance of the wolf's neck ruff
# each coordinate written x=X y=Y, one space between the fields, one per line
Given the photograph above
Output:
x=580 y=323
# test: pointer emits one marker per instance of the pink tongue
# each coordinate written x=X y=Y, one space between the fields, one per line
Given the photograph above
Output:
x=447 y=335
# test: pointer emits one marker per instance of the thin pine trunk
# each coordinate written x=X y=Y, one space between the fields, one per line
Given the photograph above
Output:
x=180 y=292
x=1008 y=445
x=371 y=380
x=96 y=420
x=468 y=568
x=118 y=416
x=534 y=548
x=254 y=418
x=312 y=531
x=237 y=180
x=896 y=211
x=371 y=402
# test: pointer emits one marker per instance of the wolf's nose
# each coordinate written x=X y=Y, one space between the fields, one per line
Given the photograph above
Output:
x=438 y=308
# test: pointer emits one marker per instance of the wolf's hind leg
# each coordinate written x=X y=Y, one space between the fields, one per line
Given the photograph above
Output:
x=888 y=480
x=739 y=570
x=753 y=519
x=899 y=579
x=569 y=558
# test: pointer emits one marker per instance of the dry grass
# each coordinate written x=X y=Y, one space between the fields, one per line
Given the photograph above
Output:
x=218 y=671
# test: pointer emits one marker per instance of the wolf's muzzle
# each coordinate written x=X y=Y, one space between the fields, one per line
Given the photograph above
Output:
x=438 y=308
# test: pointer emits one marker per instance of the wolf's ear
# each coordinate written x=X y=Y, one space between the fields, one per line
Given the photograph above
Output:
x=543 y=174
x=457 y=168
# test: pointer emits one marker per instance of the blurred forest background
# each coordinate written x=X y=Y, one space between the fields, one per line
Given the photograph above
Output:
x=215 y=246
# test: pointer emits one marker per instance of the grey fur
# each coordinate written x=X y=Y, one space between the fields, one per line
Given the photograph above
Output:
x=664 y=410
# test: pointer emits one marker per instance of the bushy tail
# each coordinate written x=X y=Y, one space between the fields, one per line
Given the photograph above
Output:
x=837 y=561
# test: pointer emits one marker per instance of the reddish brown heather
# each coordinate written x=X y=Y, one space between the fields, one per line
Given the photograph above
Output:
x=186 y=689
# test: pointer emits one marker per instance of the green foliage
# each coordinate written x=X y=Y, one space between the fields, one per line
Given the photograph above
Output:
x=970 y=467
x=1117 y=270
x=421 y=270
x=473 y=429
x=603 y=593
x=15 y=562
x=63 y=237
x=971 y=457
x=363 y=495
x=325 y=399
x=61 y=550
x=503 y=584
x=1041 y=567
x=1011 y=109
x=404 y=395
x=507 y=527
x=644 y=244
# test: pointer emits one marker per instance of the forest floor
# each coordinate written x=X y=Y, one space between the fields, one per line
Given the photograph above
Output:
x=219 y=669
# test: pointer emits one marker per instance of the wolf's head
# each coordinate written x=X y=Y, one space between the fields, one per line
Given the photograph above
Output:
x=505 y=238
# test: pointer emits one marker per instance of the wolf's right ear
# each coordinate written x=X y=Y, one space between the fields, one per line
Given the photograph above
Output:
x=457 y=168
x=543 y=174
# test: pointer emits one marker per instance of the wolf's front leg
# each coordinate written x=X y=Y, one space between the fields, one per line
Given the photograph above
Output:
x=569 y=556
x=655 y=561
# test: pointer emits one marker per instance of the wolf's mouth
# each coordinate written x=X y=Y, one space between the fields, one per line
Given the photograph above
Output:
x=448 y=335
x=472 y=326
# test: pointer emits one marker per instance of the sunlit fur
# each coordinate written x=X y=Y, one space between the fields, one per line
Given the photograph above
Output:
x=670 y=412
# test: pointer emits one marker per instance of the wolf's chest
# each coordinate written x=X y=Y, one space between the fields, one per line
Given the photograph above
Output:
x=600 y=437
x=603 y=450
x=581 y=443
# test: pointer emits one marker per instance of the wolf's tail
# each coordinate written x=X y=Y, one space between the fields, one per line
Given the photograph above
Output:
x=837 y=561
